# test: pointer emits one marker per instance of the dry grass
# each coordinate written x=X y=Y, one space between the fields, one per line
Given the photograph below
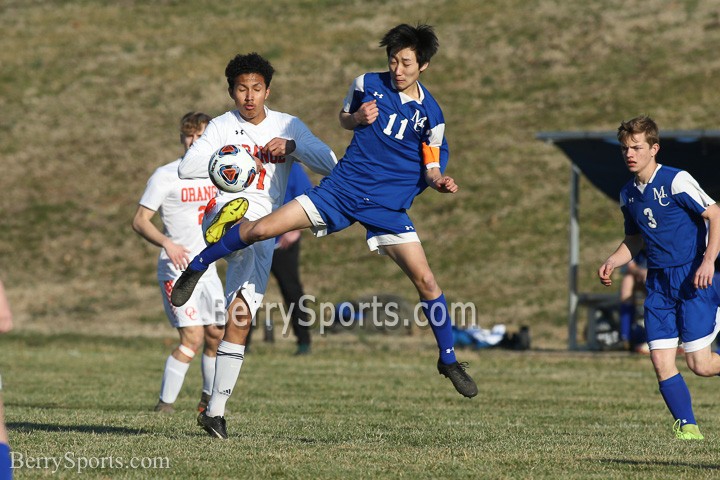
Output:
x=91 y=92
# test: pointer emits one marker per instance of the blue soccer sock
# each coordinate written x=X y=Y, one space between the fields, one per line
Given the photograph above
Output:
x=677 y=398
x=228 y=243
x=627 y=315
x=436 y=312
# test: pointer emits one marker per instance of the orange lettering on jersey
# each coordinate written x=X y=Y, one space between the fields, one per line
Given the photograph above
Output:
x=197 y=194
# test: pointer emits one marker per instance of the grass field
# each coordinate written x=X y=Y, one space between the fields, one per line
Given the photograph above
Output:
x=90 y=95
x=359 y=407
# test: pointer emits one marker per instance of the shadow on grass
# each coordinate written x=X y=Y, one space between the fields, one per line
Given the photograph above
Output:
x=28 y=427
x=664 y=463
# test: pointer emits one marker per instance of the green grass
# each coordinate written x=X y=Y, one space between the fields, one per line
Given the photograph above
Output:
x=372 y=408
x=91 y=93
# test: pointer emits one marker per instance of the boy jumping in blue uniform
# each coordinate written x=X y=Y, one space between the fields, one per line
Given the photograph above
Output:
x=397 y=150
x=679 y=224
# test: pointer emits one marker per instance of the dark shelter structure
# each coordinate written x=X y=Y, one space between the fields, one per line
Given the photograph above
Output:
x=597 y=156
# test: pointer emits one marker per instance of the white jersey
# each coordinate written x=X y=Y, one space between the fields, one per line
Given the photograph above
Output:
x=267 y=192
x=249 y=269
x=181 y=205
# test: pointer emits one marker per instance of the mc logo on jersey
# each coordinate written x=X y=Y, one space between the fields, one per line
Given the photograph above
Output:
x=660 y=195
x=419 y=122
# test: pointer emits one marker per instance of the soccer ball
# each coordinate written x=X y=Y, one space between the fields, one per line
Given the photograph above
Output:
x=232 y=169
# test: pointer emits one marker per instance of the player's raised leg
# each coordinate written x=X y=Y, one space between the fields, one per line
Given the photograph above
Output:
x=290 y=216
x=410 y=257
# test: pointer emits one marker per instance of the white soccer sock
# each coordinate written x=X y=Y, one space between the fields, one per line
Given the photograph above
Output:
x=173 y=379
x=227 y=369
x=208 y=373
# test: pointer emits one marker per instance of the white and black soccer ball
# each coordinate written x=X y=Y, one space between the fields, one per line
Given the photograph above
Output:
x=232 y=169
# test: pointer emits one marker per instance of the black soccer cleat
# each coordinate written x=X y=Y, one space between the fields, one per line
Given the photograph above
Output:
x=184 y=286
x=214 y=426
x=462 y=382
x=203 y=403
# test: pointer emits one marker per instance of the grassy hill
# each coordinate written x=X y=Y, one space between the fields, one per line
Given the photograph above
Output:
x=90 y=94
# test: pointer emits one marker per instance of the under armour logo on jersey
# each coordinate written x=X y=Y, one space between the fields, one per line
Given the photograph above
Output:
x=409 y=227
x=631 y=199
x=378 y=95
x=449 y=350
x=241 y=132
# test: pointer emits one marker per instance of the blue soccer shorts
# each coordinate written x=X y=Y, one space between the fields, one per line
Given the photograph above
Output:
x=676 y=311
x=330 y=211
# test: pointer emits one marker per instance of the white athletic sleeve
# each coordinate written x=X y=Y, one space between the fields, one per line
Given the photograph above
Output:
x=310 y=150
x=156 y=190
x=685 y=183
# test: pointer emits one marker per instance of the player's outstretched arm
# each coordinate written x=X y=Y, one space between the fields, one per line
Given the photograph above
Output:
x=625 y=252
x=144 y=227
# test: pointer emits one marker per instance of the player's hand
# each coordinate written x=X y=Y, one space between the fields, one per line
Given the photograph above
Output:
x=279 y=147
x=605 y=271
x=178 y=255
x=704 y=275
x=445 y=184
x=286 y=240
x=367 y=113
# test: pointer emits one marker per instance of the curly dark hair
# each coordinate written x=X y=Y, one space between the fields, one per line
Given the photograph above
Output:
x=249 y=63
x=421 y=39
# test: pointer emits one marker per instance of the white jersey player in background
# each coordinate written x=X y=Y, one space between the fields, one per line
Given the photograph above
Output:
x=276 y=139
x=181 y=204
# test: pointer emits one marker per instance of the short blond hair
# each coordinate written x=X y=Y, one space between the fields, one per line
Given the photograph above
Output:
x=192 y=122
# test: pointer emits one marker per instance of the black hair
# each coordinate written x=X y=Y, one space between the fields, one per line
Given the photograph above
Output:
x=421 y=39
x=250 y=63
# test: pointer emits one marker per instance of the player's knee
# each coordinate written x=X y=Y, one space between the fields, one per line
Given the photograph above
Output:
x=185 y=350
x=192 y=338
x=701 y=368
x=257 y=232
x=213 y=333
x=426 y=285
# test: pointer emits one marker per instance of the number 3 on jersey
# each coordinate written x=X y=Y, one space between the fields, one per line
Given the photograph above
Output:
x=652 y=223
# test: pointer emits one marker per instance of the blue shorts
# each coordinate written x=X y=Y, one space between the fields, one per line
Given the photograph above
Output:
x=675 y=309
x=331 y=210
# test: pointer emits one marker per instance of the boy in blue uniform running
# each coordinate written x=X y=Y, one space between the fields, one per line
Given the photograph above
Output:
x=679 y=225
x=398 y=149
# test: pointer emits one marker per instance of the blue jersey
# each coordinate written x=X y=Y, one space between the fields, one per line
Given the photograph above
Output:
x=667 y=213
x=386 y=160
x=298 y=182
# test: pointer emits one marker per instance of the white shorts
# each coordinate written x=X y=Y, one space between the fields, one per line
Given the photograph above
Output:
x=248 y=269
x=248 y=273
x=205 y=307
